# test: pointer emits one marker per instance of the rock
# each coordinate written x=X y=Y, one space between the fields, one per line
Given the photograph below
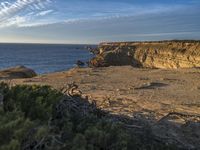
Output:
x=80 y=63
x=163 y=54
x=114 y=56
x=92 y=50
x=98 y=61
x=17 y=72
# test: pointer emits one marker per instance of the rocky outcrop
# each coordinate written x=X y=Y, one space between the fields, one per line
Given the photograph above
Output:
x=163 y=54
x=17 y=72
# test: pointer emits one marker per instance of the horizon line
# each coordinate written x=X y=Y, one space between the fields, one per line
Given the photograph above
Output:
x=128 y=41
x=43 y=43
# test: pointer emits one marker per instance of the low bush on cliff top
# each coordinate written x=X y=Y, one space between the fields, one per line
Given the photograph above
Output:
x=35 y=117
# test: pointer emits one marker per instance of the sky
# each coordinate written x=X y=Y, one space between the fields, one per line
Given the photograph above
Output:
x=95 y=21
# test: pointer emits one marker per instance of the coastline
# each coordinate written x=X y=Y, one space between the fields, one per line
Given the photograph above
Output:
x=165 y=98
x=170 y=83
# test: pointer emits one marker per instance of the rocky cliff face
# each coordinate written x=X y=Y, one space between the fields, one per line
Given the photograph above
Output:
x=164 y=54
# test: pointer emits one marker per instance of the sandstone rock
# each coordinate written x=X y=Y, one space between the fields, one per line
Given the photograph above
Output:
x=17 y=72
x=166 y=54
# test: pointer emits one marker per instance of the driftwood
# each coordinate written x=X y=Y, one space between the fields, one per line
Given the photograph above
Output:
x=133 y=126
x=1 y=99
x=182 y=115
x=71 y=90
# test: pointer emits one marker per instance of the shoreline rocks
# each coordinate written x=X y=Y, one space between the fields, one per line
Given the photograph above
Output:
x=161 y=54
x=17 y=73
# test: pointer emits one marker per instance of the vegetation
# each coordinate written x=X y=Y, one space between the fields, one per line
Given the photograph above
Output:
x=23 y=108
x=39 y=117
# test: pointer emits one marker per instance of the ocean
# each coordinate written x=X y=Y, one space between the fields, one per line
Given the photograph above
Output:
x=43 y=58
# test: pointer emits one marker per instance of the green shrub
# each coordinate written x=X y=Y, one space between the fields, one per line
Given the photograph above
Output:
x=33 y=108
x=34 y=101
x=24 y=107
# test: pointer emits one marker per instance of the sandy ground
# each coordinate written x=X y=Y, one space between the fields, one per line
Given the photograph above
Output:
x=127 y=90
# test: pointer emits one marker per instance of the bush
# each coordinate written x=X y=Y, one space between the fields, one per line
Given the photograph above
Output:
x=24 y=108
x=34 y=101
x=37 y=117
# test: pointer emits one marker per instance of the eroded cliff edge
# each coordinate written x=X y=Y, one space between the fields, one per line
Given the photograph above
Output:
x=162 y=54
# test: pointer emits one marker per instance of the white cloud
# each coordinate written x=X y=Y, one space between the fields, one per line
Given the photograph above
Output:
x=44 y=13
x=36 y=24
x=19 y=11
x=13 y=21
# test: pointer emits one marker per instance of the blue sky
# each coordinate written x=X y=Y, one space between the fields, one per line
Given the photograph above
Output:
x=94 y=21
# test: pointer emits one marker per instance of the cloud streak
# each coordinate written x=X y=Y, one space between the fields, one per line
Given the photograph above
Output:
x=93 y=21
x=15 y=13
x=37 y=12
x=44 y=13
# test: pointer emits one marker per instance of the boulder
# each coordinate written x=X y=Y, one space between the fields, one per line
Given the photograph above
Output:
x=17 y=72
x=79 y=63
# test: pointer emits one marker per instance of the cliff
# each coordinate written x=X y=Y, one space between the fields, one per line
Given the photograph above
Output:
x=161 y=54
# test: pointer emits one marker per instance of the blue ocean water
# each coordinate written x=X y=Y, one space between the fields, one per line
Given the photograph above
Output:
x=43 y=58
